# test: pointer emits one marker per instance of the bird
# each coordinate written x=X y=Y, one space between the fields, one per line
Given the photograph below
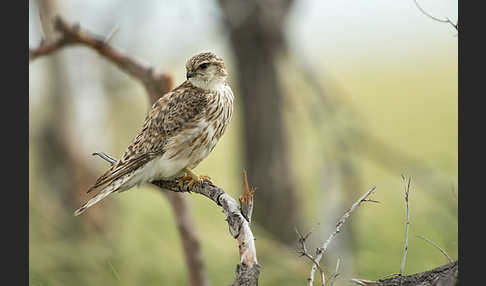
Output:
x=179 y=131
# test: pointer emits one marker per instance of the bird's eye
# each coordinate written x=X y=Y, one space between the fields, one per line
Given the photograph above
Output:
x=203 y=66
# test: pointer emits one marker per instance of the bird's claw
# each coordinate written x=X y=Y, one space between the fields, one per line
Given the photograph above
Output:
x=194 y=179
x=206 y=178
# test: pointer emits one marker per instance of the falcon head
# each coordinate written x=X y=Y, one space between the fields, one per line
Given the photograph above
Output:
x=206 y=71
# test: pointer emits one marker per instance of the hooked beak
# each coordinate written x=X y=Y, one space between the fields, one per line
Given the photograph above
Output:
x=190 y=74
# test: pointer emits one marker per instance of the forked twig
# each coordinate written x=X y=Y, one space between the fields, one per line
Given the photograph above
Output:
x=303 y=252
x=339 y=224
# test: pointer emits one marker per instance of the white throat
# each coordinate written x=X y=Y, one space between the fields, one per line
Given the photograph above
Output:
x=212 y=85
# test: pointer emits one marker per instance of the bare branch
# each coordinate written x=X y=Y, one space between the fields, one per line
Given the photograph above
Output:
x=246 y=200
x=71 y=34
x=239 y=227
x=111 y=34
x=405 y=248
x=442 y=275
x=303 y=252
x=339 y=224
x=390 y=275
x=446 y=20
x=364 y=282
x=106 y=157
x=436 y=246
x=336 y=273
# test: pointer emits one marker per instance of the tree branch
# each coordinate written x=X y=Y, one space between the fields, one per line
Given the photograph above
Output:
x=446 y=20
x=446 y=275
x=436 y=246
x=304 y=252
x=406 y=186
x=248 y=270
x=72 y=34
x=340 y=223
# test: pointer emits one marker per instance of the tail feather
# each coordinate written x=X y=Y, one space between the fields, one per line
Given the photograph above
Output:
x=113 y=187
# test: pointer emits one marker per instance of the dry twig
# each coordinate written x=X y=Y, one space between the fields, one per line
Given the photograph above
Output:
x=246 y=199
x=339 y=224
x=336 y=273
x=364 y=282
x=406 y=186
x=436 y=246
x=304 y=252
x=446 y=20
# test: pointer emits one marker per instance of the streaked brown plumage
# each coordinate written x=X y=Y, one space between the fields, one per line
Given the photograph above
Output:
x=179 y=131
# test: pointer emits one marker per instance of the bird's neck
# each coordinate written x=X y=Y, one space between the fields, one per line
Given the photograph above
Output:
x=213 y=85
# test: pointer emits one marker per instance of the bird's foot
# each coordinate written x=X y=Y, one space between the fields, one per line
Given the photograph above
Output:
x=183 y=179
x=193 y=178
x=206 y=178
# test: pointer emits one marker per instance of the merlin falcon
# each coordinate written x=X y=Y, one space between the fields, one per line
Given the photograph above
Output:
x=179 y=131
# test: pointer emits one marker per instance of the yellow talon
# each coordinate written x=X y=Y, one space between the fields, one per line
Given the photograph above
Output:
x=193 y=178
x=205 y=178
x=183 y=179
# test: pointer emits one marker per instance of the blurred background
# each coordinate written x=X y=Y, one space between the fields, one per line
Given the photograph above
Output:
x=332 y=97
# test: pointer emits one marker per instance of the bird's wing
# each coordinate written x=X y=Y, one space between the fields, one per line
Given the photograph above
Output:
x=166 y=118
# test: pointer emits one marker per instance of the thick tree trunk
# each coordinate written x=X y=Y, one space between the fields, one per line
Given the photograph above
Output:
x=257 y=40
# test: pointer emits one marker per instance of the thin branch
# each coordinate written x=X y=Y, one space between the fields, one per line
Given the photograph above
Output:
x=111 y=34
x=303 y=252
x=405 y=247
x=336 y=273
x=339 y=224
x=106 y=157
x=115 y=273
x=389 y=275
x=436 y=246
x=446 y=20
x=364 y=282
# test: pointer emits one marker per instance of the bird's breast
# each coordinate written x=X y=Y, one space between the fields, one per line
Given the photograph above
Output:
x=200 y=136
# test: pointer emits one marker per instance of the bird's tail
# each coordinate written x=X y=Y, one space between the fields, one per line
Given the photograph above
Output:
x=113 y=187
